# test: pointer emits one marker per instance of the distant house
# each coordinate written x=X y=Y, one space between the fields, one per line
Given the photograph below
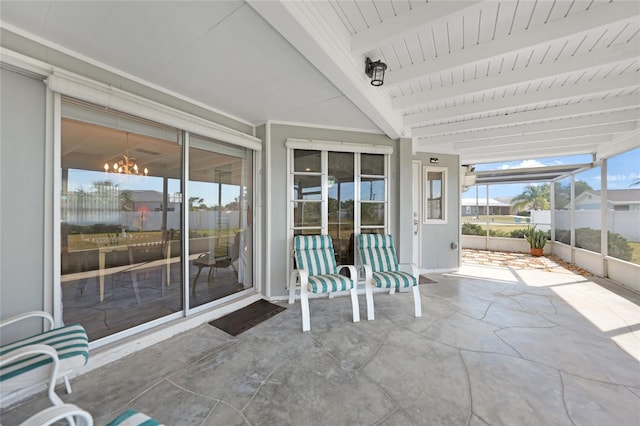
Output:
x=475 y=207
x=151 y=201
x=622 y=200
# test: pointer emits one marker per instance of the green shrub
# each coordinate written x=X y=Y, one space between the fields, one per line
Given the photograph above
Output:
x=472 y=229
x=518 y=233
x=98 y=228
x=619 y=247
x=497 y=233
x=563 y=236
x=589 y=239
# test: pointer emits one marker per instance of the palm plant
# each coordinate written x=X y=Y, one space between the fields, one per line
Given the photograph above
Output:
x=534 y=197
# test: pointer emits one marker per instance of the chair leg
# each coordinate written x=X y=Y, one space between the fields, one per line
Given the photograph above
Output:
x=195 y=280
x=416 y=301
x=355 y=305
x=304 y=304
x=292 y=287
x=369 y=294
x=67 y=385
x=134 y=280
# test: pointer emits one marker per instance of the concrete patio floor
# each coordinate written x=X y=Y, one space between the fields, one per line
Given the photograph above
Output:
x=496 y=345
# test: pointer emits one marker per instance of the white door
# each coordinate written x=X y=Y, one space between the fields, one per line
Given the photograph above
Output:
x=416 y=188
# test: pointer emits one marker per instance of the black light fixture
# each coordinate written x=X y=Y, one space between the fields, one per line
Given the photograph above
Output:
x=375 y=70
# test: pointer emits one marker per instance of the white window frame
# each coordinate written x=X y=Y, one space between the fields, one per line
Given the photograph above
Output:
x=445 y=186
x=325 y=147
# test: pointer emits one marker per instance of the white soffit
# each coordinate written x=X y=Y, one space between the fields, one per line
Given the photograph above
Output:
x=482 y=79
x=485 y=80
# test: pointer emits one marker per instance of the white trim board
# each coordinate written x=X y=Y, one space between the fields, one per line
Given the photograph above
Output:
x=337 y=146
x=82 y=88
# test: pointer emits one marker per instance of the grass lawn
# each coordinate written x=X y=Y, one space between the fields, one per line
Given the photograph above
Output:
x=635 y=257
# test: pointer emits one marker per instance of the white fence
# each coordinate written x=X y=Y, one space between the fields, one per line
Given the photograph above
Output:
x=626 y=224
x=152 y=221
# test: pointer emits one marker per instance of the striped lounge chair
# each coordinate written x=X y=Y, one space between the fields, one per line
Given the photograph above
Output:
x=318 y=273
x=70 y=343
x=59 y=411
x=382 y=270
x=54 y=414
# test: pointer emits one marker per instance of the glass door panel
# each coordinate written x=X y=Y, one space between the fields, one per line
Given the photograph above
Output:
x=219 y=221
x=341 y=183
x=120 y=224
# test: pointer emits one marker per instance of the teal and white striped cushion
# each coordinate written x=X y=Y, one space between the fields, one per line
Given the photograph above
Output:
x=134 y=418
x=378 y=252
x=314 y=253
x=329 y=283
x=393 y=279
x=70 y=342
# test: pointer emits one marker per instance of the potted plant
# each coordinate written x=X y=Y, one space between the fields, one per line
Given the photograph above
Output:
x=537 y=239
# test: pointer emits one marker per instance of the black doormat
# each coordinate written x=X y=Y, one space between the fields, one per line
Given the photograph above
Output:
x=247 y=317
x=426 y=280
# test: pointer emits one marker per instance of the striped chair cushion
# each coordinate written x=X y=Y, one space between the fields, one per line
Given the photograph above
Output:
x=314 y=253
x=72 y=345
x=397 y=279
x=329 y=283
x=378 y=252
x=133 y=418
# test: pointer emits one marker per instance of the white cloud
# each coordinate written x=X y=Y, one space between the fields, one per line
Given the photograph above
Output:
x=522 y=165
x=623 y=178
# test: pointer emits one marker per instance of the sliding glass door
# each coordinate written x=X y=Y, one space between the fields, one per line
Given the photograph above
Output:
x=122 y=216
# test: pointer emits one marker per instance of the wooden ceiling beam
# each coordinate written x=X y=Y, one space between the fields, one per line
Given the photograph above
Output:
x=571 y=110
x=596 y=17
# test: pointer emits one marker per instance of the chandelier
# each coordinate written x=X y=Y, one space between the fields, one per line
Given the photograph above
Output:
x=126 y=166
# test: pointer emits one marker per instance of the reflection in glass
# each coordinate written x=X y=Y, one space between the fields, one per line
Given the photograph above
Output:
x=306 y=161
x=306 y=187
x=120 y=234
x=372 y=214
x=372 y=189
x=219 y=226
x=372 y=164
x=307 y=213
x=341 y=204
x=433 y=188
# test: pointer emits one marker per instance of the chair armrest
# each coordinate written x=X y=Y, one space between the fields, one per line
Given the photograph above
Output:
x=29 y=314
x=304 y=277
x=410 y=268
x=53 y=414
x=368 y=274
x=38 y=350
x=353 y=273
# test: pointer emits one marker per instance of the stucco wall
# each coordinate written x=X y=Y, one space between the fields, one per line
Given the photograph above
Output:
x=22 y=198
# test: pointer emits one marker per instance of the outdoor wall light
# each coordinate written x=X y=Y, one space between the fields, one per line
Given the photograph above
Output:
x=375 y=70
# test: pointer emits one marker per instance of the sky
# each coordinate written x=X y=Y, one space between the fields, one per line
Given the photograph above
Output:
x=84 y=179
x=622 y=171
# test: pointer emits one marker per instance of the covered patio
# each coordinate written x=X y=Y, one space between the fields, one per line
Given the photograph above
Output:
x=499 y=343
x=251 y=122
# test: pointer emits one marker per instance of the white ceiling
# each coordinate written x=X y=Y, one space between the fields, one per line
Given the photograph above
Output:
x=488 y=80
